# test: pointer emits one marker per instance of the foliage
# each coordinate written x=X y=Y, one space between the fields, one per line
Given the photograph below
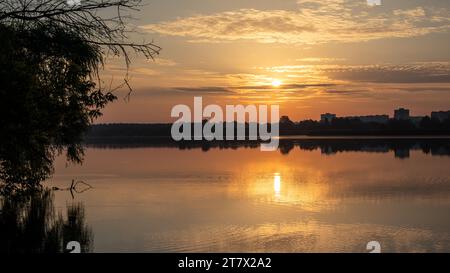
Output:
x=50 y=88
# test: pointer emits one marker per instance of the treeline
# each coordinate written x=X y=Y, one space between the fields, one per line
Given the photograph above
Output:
x=354 y=126
x=157 y=130
x=338 y=126
x=129 y=130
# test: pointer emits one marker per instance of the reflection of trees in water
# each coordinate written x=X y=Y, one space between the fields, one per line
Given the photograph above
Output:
x=401 y=147
x=30 y=223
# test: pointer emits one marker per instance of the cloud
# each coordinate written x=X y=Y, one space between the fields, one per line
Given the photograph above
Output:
x=424 y=88
x=412 y=13
x=292 y=86
x=407 y=73
x=320 y=60
x=314 y=22
x=245 y=89
x=182 y=91
x=204 y=90
x=245 y=24
x=334 y=81
x=419 y=72
x=143 y=71
x=163 y=62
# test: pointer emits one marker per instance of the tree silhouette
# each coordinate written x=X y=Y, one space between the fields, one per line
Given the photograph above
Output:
x=31 y=224
x=50 y=55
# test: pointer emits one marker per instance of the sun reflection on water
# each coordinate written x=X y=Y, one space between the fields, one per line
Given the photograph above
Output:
x=277 y=185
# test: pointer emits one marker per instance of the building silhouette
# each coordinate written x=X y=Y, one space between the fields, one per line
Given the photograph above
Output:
x=327 y=117
x=401 y=114
x=440 y=115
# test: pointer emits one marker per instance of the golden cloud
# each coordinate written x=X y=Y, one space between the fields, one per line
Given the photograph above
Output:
x=314 y=22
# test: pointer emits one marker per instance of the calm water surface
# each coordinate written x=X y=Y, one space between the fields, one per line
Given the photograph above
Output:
x=245 y=200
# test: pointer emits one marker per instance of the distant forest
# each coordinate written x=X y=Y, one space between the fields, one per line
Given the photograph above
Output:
x=338 y=126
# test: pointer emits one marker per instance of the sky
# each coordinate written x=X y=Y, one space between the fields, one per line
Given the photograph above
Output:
x=348 y=57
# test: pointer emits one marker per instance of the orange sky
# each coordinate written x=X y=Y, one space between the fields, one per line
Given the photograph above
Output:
x=308 y=56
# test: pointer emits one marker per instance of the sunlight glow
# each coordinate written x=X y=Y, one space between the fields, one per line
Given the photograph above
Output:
x=277 y=184
x=276 y=83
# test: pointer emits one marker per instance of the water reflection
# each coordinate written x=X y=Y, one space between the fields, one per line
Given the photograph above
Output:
x=323 y=195
x=161 y=199
x=277 y=185
x=30 y=224
x=399 y=146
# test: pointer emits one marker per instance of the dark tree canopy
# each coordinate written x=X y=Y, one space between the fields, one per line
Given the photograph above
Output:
x=50 y=55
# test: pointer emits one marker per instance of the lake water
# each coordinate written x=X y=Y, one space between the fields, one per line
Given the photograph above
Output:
x=326 y=196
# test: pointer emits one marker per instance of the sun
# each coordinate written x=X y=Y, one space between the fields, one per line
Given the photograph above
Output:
x=276 y=83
